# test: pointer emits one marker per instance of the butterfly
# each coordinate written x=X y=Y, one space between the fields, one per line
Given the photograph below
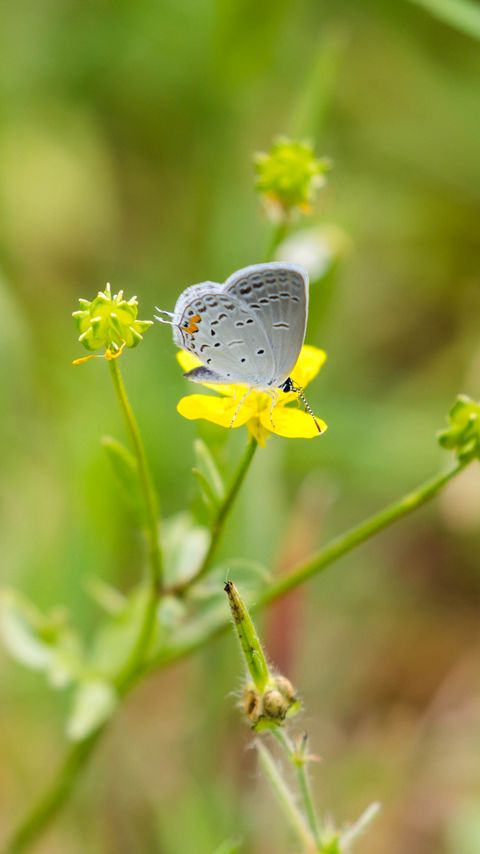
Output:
x=248 y=330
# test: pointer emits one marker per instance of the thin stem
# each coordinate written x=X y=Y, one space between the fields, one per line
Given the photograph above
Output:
x=359 y=534
x=221 y=517
x=329 y=554
x=149 y=494
x=278 y=235
x=285 y=798
x=299 y=760
x=55 y=795
x=78 y=754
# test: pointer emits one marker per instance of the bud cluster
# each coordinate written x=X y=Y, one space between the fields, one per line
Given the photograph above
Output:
x=289 y=175
x=463 y=432
x=270 y=707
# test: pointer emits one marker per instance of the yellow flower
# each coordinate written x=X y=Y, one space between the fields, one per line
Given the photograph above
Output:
x=256 y=411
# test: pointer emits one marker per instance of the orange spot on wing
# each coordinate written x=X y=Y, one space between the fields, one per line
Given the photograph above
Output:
x=192 y=324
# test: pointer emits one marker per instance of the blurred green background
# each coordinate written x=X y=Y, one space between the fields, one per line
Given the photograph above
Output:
x=127 y=132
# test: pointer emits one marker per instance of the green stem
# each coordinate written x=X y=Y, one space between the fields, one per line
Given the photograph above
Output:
x=221 y=517
x=329 y=554
x=54 y=797
x=299 y=761
x=79 y=753
x=149 y=495
x=277 y=237
x=285 y=798
x=359 y=534
x=137 y=653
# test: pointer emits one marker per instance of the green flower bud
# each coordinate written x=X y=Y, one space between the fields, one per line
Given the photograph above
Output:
x=275 y=706
x=289 y=175
x=249 y=642
x=268 y=699
x=252 y=704
x=463 y=432
x=110 y=321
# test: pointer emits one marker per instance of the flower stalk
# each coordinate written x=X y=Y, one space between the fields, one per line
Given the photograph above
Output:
x=299 y=758
x=333 y=551
x=285 y=798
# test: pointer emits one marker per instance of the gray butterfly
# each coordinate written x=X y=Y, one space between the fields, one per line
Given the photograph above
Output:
x=248 y=330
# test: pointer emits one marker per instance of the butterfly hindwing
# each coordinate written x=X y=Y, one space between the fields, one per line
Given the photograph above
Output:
x=277 y=293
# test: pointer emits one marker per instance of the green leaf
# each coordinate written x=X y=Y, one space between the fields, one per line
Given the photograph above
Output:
x=463 y=15
x=230 y=846
x=125 y=469
x=205 y=490
x=43 y=643
x=185 y=544
x=358 y=828
x=116 y=637
x=94 y=702
x=207 y=473
x=109 y=598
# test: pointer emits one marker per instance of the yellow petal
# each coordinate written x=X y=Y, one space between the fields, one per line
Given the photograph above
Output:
x=219 y=410
x=257 y=430
x=308 y=365
x=188 y=362
x=292 y=423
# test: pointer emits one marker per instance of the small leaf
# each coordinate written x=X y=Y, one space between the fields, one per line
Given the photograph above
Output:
x=205 y=489
x=93 y=703
x=109 y=598
x=185 y=544
x=358 y=828
x=42 y=643
x=116 y=636
x=207 y=468
x=21 y=627
x=125 y=470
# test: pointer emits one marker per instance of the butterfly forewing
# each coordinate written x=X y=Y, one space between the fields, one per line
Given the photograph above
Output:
x=277 y=294
x=225 y=334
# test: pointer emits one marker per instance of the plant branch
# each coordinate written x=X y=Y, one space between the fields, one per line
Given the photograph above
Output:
x=285 y=798
x=79 y=753
x=220 y=518
x=299 y=760
x=359 y=534
x=332 y=552
x=148 y=490
x=55 y=795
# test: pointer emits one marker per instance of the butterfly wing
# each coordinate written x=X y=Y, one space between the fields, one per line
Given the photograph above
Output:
x=225 y=334
x=277 y=295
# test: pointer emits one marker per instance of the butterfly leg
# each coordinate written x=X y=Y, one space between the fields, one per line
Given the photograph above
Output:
x=242 y=400
x=273 y=393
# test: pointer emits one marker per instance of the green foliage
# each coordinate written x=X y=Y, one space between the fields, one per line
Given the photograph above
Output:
x=125 y=469
x=208 y=475
x=94 y=702
x=46 y=643
x=463 y=433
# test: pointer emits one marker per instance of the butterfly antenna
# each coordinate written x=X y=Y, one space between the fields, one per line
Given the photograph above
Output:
x=298 y=390
x=162 y=319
